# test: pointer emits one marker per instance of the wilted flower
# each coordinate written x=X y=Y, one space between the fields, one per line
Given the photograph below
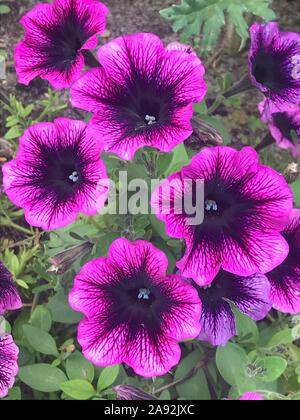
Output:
x=9 y=296
x=127 y=392
x=251 y=396
x=143 y=95
x=274 y=62
x=246 y=205
x=64 y=260
x=249 y=294
x=56 y=37
x=203 y=135
x=8 y=363
x=135 y=313
x=285 y=279
x=284 y=124
x=57 y=174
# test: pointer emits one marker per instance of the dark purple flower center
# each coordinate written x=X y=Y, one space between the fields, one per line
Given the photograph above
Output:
x=221 y=201
x=66 y=37
x=227 y=287
x=135 y=300
x=286 y=124
x=226 y=207
x=273 y=66
x=58 y=171
x=266 y=70
x=143 y=107
x=62 y=171
x=217 y=291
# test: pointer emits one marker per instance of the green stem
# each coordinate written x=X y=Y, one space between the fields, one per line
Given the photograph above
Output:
x=35 y=303
x=47 y=110
x=189 y=375
x=14 y=225
x=270 y=318
x=219 y=100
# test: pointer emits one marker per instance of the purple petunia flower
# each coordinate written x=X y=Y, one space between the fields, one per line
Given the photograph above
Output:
x=254 y=396
x=135 y=313
x=249 y=294
x=143 y=95
x=246 y=205
x=56 y=37
x=8 y=363
x=274 y=62
x=282 y=122
x=57 y=174
x=285 y=279
x=9 y=296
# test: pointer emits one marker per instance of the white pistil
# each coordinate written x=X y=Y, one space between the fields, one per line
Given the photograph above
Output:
x=207 y=287
x=211 y=205
x=74 y=177
x=150 y=119
x=144 y=294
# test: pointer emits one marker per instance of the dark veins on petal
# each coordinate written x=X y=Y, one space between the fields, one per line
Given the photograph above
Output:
x=286 y=277
x=66 y=37
x=214 y=304
x=228 y=287
x=5 y=363
x=143 y=107
x=6 y=283
x=272 y=66
x=147 y=103
x=225 y=202
x=286 y=124
x=60 y=172
x=134 y=299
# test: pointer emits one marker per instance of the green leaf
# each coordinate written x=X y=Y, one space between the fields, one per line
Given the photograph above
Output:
x=246 y=327
x=107 y=377
x=4 y=9
x=22 y=319
x=180 y=158
x=212 y=28
x=40 y=340
x=205 y=18
x=164 y=162
x=77 y=367
x=159 y=227
x=236 y=16
x=14 y=394
x=78 y=389
x=14 y=132
x=296 y=191
x=41 y=318
x=61 y=311
x=231 y=362
x=280 y=338
x=42 y=377
x=22 y=284
x=274 y=367
x=196 y=387
x=217 y=123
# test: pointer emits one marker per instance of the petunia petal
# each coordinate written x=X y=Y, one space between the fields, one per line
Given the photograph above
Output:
x=8 y=364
